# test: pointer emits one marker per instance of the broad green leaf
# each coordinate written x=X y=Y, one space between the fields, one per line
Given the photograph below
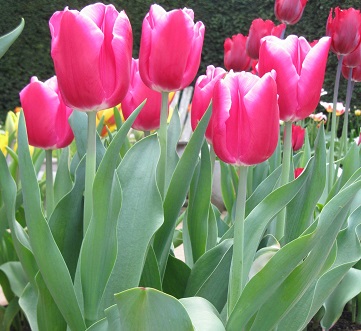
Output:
x=176 y=277
x=11 y=312
x=203 y=314
x=177 y=192
x=209 y=276
x=140 y=217
x=8 y=39
x=28 y=302
x=275 y=160
x=66 y=221
x=150 y=275
x=300 y=210
x=147 y=309
x=198 y=205
x=48 y=315
x=48 y=257
x=306 y=155
x=99 y=248
x=259 y=174
x=63 y=183
x=16 y=276
x=262 y=257
x=227 y=188
x=349 y=287
x=212 y=227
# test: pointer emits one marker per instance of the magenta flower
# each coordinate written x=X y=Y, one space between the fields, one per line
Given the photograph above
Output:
x=245 y=118
x=289 y=11
x=259 y=29
x=344 y=29
x=203 y=93
x=92 y=54
x=300 y=73
x=149 y=117
x=46 y=114
x=235 y=55
x=298 y=137
x=170 y=48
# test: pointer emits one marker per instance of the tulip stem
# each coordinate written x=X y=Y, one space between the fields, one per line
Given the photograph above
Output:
x=280 y=222
x=237 y=278
x=347 y=107
x=89 y=170
x=333 y=125
x=162 y=134
x=49 y=183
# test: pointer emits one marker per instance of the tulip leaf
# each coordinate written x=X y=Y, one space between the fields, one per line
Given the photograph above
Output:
x=62 y=183
x=177 y=192
x=227 y=187
x=141 y=215
x=147 y=309
x=212 y=228
x=209 y=276
x=203 y=314
x=8 y=39
x=198 y=205
x=48 y=257
x=28 y=302
x=11 y=312
x=150 y=275
x=16 y=276
x=99 y=248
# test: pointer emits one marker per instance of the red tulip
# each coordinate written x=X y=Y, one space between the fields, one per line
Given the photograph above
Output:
x=149 y=117
x=46 y=114
x=298 y=137
x=245 y=118
x=298 y=171
x=203 y=93
x=344 y=29
x=289 y=11
x=300 y=73
x=235 y=55
x=353 y=59
x=356 y=73
x=259 y=29
x=170 y=48
x=92 y=53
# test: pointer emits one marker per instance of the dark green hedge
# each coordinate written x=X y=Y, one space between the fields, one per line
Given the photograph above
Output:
x=30 y=55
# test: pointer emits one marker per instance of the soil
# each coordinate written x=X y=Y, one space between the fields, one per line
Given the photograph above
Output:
x=343 y=324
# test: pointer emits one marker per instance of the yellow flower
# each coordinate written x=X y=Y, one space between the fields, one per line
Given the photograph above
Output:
x=11 y=122
x=109 y=119
x=4 y=140
x=358 y=112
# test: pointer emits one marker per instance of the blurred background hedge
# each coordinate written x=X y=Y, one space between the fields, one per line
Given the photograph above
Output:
x=30 y=55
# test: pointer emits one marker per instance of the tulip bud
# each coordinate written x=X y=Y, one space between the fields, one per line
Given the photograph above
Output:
x=298 y=137
x=289 y=11
x=11 y=122
x=298 y=172
x=235 y=55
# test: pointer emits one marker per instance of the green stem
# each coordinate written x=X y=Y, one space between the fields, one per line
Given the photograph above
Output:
x=49 y=182
x=333 y=126
x=89 y=170
x=162 y=134
x=237 y=279
x=347 y=108
x=212 y=155
x=285 y=176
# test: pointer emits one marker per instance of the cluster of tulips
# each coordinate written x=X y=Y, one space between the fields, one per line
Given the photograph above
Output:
x=268 y=79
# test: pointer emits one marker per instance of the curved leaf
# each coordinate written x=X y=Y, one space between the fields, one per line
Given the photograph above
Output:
x=8 y=39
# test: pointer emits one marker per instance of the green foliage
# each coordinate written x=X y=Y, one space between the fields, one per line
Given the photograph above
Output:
x=30 y=55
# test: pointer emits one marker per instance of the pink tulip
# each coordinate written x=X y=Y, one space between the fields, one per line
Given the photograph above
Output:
x=289 y=11
x=149 y=117
x=245 y=118
x=353 y=59
x=259 y=29
x=235 y=55
x=92 y=53
x=203 y=93
x=344 y=29
x=356 y=73
x=298 y=137
x=300 y=73
x=298 y=172
x=46 y=114
x=170 y=48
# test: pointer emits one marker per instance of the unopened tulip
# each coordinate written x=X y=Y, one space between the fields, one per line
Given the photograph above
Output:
x=344 y=29
x=289 y=11
x=298 y=137
x=149 y=117
x=353 y=59
x=170 y=48
x=300 y=73
x=245 y=118
x=92 y=54
x=46 y=114
x=356 y=73
x=298 y=172
x=203 y=93
x=259 y=29
x=235 y=55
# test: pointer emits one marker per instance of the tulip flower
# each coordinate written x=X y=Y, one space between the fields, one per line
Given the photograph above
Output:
x=92 y=53
x=353 y=59
x=245 y=118
x=149 y=117
x=4 y=141
x=344 y=29
x=203 y=93
x=298 y=137
x=340 y=108
x=108 y=119
x=259 y=29
x=46 y=114
x=318 y=117
x=356 y=73
x=300 y=73
x=235 y=55
x=297 y=172
x=289 y=11
x=170 y=48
